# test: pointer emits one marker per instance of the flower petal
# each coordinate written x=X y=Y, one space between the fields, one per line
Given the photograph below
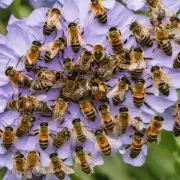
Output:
x=5 y=3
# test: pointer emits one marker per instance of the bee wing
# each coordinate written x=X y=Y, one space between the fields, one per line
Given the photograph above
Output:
x=67 y=169
x=28 y=174
x=135 y=123
x=158 y=138
x=58 y=24
x=156 y=90
x=108 y=4
x=74 y=138
x=133 y=66
x=166 y=79
x=47 y=47
x=114 y=143
x=113 y=92
x=38 y=170
x=89 y=134
x=117 y=131
x=142 y=64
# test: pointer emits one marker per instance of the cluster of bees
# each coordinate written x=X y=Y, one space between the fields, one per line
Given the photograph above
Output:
x=85 y=83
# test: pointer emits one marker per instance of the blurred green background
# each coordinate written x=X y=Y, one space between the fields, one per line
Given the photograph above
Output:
x=162 y=162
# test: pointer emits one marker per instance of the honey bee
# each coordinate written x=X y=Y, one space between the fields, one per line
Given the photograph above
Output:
x=99 y=11
x=85 y=61
x=43 y=132
x=82 y=160
x=138 y=63
x=19 y=165
x=53 y=21
x=61 y=137
x=176 y=127
x=161 y=81
x=47 y=79
x=107 y=119
x=88 y=109
x=154 y=131
x=68 y=65
x=98 y=53
x=173 y=27
x=119 y=91
x=32 y=56
x=17 y=78
x=7 y=137
x=162 y=38
x=68 y=90
x=33 y=164
x=53 y=48
x=106 y=68
x=114 y=38
x=29 y=104
x=99 y=91
x=59 y=110
x=123 y=60
x=79 y=132
x=124 y=120
x=74 y=37
x=139 y=92
x=176 y=63
x=103 y=143
x=58 y=168
x=136 y=145
x=141 y=34
x=25 y=124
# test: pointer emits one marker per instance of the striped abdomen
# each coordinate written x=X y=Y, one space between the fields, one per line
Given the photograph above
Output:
x=43 y=141
x=102 y=18
x=117 y=47
x=146 y=41
x=105 y=147
x=7 y=141
x=135 y=149
x=60 y=174
x=166 y=47
x=47 y=30
x=176 y=63
x=42 y=107
x=117 y=100
x=138 y=101
x=135 y=74
x=38 y=85
x=85 y=168
x=21 y=130
x=176 y=129
x=151 y=136
x=108 y=123
x=81 y=137
x=164 y=88
x=60 y=139
x=29 y=67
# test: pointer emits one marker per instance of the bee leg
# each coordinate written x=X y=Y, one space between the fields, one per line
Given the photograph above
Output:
x=147 y=58
x=127 y=147
x=149 y=93
x=173 y=115
x=0 y=132
x=62 y=54
x=34 y=133
x=125 y=41
x=69 y=112
x=146 y=104
x=52 y=135
x=82 y=32
x=149 y=86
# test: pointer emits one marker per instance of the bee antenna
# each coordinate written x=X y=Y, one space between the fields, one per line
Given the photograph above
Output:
x=34 y=37
x=90 y=45
x=44 y=41
x=76 y=19
x=19 y=61
x=4 y=122
x=8 y=62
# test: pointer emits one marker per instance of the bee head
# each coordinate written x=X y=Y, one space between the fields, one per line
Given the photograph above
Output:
x=98 y=132
x=141 y=81
x=102 y=107
x=154 y=68
x=150 y=2
x=139 y=134
x=9 y=71
x=63 y=40
x=72 y=24
x=55 y=10
x=37 y=43
x=67 y=60
x=123 y=109
x=158 y=118
x=138 y=49
x=179 y=55
x=53 y=155
x=58 y=75
x=79 y=148
x=174 y=18
x=133 y=25
x=125 y=80
x=9 y=128
x=86 y=52
x=94 y=2
x=138 y=119
x=43 y=124
x=18 y=155
x=111 y=29
x=77 y=120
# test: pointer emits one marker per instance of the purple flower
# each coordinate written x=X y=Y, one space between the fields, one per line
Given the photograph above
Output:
x=5 y=3
x=21 y=34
